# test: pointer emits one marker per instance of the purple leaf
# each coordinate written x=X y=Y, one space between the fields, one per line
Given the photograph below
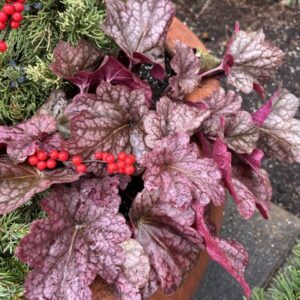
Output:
x=174 y=166
x=221 y=105
x=170 y=118
x=280 y=131
x=114 y=72
x=139 y=28
x=23 y=140
x=19 y=182
x=69 y=61
x=187 y=67
x=110 y=120
x=78 y=241
x=231 y=255
x=255 y=60
x=253 y=189
x=241 y=134
x=249 y=187
x=166 y=234
x=243 y=198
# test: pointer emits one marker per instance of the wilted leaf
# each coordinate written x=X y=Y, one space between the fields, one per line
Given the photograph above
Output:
x=55 y=104
x=19 y=182
x=174 y=166
x=166 y=234
x=139 y=27
x=255 y=60
x=107 y=121
x=78 y=241
x=187 y=67
x=23 y=140
x=170 y=118
x=231 y=255
x=280 y=131
x=241 y=134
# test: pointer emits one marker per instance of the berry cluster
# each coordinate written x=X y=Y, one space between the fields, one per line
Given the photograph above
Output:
x=10 y=15
x=124 y=164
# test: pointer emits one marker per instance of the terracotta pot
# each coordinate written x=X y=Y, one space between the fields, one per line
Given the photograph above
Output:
x=101 y=291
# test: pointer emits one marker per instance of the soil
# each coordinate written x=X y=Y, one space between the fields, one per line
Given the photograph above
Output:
x=213 y=22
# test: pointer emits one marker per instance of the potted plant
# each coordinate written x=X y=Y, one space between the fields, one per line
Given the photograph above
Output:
x=139 y=161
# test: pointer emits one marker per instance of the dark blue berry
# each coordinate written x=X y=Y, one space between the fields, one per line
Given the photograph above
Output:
x=21 y=79
x=12 y=63
x=13 y=84
x=38 y=6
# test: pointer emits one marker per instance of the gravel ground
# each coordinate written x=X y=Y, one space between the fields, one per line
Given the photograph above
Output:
x=213 y=21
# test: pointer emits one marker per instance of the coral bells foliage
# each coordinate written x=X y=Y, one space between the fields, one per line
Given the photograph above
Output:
x=181 y=157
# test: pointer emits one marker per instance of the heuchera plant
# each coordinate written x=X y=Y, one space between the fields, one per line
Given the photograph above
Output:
x=134 y=177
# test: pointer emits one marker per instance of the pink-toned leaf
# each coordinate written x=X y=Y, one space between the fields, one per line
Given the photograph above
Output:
x=110 y=120
x=254 y=159
x=135 y=271
x=280 y=131
x=139 y=28
x=23 y=140
x=249 y=186
x=69 y=61
x=241 y=134
x=231 y=255
x=221 y=105
x=261 y=114
x=170 y=118
x=166 y=234
x=19 y=182
x=253 y=189
x=174 y=166
x=255 y=60
x=187 y=67
x=243 y=198
x=77 y=241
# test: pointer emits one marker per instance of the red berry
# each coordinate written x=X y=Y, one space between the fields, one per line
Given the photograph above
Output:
x=33 y=160
x=98 y=155
x=121 y=171
x=121 y=165
x=77 y=160
x=51 y=163
x=22 y=1
x=129 y=170
x=53 y=154
x=18 y=6
x=14 y=24
x=112 y=168
x=129 y=160
x=41 y=155
x=2 y=25
x=8 y=9
x=3 y=17
x=81 y=168
x=63 y=155
x=122 y=156
x=17 y=17
x=110 y=159
x=41 y=165
x=3 y=46
x=105 y=155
